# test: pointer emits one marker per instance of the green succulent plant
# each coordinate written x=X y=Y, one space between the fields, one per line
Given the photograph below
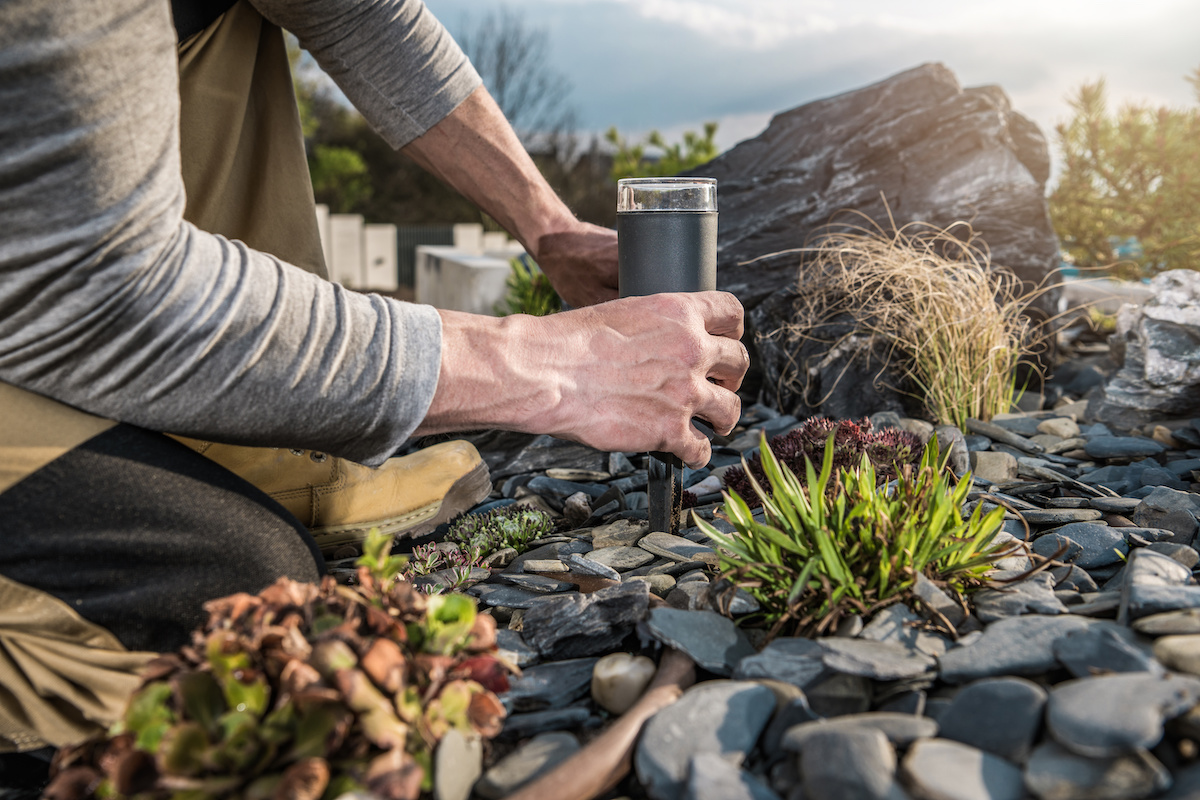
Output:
x=529 y=291
x=512 y=526
x=302 y=691
x=817 y=555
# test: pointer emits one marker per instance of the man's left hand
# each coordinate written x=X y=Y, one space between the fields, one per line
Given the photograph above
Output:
x=581 y=263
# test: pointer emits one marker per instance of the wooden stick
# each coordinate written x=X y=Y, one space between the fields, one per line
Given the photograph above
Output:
x=598 y=767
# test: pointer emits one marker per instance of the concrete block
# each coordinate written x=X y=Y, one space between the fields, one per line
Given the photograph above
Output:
x=379 y=246
x=323 y=230
x=346 y=250
x=448 y=278
x=468 y=238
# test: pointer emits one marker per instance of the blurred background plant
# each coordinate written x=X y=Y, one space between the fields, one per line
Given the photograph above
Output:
x=529 y=290
x=303 y=691
x=633 y=160
x=1133 y=174
x=818 y=556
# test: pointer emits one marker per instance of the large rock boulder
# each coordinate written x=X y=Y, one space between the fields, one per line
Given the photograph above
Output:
x=935 y=152
x=1157 y=345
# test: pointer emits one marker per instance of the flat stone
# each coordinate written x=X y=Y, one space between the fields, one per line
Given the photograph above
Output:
x=1122 y=447
x=1055 y=773
x=1021 y=424
x=536 y=583
x=880 y=661
x=660 y=585
x=1063 y=427
x=854 y=762
x=977 y=443
x=1073 y=578
x=690 y=596
x=714 y=642
x=620 y=557
x=548 y=552
x=583 y=565
x=1104 y=647
x=513 y=648
x=795 y=660
x=1114 y=505
x=1183 y=553
x=1097 y=604
x=621 y=532
x=1099 y=545
x=1002 y=435
x=1155 y=583
x=553 y=685
x=1110 y=715
x=720 y=719
x=714 y=779
x=951 y=439
x=1013 y=646
x=899 y=729
x=994 y=466
x=534 y=758
x=1014 y=555
x=940 y=768
x=677 y=548
x=1033 y=595
x=457 y=764
x=574 y=625
x=839 y=695
x=933 y=597
x=1171 y=509
x=1012 y=709
x=520 y=726
x=491 y=594
x=897 y=624
x=544 y=565
x=1061 y=516
x=1181 y=653
x=791 y=713
x=1182 y=622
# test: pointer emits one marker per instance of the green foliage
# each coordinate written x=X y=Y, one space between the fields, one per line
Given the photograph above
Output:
x=630 y=160
x=1135 y=173
x=271 y=700
x=512 y=526
x=529 y=291
x=339 y=177
x=820 y=555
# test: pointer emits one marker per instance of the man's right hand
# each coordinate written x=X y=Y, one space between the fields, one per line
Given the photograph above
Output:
x=627 y=375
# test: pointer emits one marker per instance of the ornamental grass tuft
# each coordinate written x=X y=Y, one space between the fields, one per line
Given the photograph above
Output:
x=302 y=691
x=840 y=544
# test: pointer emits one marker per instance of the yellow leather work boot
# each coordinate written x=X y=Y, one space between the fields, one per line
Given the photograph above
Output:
x=340 y=501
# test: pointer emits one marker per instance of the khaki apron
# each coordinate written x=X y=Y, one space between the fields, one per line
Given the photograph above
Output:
x=63 y=678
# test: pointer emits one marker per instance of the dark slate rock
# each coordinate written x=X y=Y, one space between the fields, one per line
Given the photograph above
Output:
x=1119 y=479
x=571 y=626
x=1072 y=577
x=1184 y=467
x=1097 y=604
x=719 y=719
x=951 y=439
x=940 y=768
x=555 y=491
x=899 y=729
x=1055 y=773
x=795 y=712
x=1023 y=426
x=1058 y=547
x=897 y=624
x=939 y=601
x=1033 y=595
x=1170 y=623
x=1113 y=505
x=776 y=190
x=1099 y=544
x=531 y=760
x=714 y=642
x=548 y=552
x=839 y=695
x=1122 y=447
x=676 y=548
x=512 y=646
x=519 y=726
x=910 y=702
x=855 y=762
x=552 y=685
x=1186 y=785
x=536 y=583
x=977 y=443
x=491 y=594
x=1110 y=715
x=1155 y=583
x=1061 y=516
x=621 y=558
x=1012 y=709
x=544 y=452
x=1014 y=646
x=795 y=660
x=622 y=532
x=1104 y=647
x=880 y=661
x=582 y=565
x=1174 y=510
x=714 y=779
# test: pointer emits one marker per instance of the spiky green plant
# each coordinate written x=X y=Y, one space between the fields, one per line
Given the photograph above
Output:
x=820 y=555
x=302 y=691
x=529 y=291
x=512 y=526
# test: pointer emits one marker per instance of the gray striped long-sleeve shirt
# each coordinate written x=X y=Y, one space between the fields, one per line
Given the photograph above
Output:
x=110 y=302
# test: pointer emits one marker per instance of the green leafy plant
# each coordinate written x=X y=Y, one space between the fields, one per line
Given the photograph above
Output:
x=512 y=526
x=631 y=160
x=817 y=556
x=888 y=450
x=1131 y=173
x=529 y=291
x=302 y=691
x=456 y=561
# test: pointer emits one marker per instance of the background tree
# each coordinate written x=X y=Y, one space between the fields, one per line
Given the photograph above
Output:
x=1135 y=173
x=632 y=161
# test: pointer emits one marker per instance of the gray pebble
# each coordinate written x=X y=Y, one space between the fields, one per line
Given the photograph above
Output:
x=899 y=729
x=1183 y=621
x=1104 y=647
x=881 y=661
x=939 y=768
x=621 y=558
x=676 y=548
x=534 y=758
x=1014 y=646
x=714 y=642
x=552 y=685
x=1012 y=709
x=1099 y=545
x=713 y=779
x=583 y=565
x=1055 y=773
x=854 y=762
x=1121 y=447
x=1110 y=715
x=795 y=660
x=1033 y=595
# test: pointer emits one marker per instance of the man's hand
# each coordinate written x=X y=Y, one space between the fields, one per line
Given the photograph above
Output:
x=581 y=263
x=627 y=375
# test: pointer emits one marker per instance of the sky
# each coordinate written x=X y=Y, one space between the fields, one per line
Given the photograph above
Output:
x=674 y=64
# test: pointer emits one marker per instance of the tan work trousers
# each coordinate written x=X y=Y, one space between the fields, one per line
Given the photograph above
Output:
x=246 y=176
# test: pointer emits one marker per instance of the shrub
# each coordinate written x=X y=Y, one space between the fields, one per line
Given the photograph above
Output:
x=631 y=161
x=954 y=324
x=818 y=556
x=302 y=691
x=529 y=291
x=888 y=451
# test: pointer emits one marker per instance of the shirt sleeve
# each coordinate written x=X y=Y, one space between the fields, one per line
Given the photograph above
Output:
x=110 y=302
x=392 y=58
